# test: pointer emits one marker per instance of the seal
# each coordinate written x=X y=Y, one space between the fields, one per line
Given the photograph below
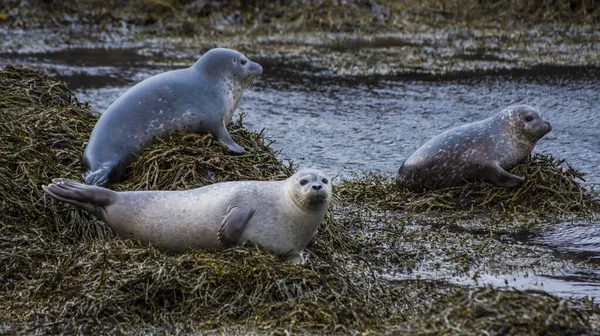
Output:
x=198 y=99
x=282 y=216
x=482 y=150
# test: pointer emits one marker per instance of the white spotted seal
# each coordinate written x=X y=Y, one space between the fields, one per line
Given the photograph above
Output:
x=198 y=99
x=282 y=216
x=482 y=150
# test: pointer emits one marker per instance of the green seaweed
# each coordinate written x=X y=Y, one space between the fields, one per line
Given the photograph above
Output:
x=489 y=311
x=66 y=272
x=551 y=192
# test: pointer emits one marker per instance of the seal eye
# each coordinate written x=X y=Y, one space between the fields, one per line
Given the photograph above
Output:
x=243 y=62
x=303 y=182
x=325 y=181
x=528 y=118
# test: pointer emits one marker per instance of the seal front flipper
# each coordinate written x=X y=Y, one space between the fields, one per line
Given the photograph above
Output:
x=98 y=177
x=225 y=139
x=89 y=198
x=234 y=224
x=502 y=178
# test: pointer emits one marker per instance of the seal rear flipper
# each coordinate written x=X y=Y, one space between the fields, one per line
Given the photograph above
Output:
x=89 y=198
x=233 y=225
x=502 y=178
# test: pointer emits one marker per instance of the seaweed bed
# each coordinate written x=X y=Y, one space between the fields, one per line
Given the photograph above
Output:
x=65 y=272
x=550 y=192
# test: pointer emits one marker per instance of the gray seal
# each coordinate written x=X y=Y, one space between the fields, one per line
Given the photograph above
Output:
x=198 y=99
x=482 y=150
x=282 y=216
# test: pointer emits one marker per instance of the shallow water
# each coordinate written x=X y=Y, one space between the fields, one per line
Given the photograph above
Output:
x=579 y=240
x=566 y=258
x=350 y=124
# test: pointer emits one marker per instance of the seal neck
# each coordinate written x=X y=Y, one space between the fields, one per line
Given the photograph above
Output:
x=206 y=69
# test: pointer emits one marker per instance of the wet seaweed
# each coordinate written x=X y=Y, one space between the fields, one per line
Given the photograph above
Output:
x=184 y=161
x=582 y=11
x=489 y=311
x=41 y=137
x=191 y=17
x=552 y=190
x=66 y=272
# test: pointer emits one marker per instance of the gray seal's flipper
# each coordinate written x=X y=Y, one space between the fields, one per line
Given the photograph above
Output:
x=98 y=177
x=296 y=259
x=502 y=178
x=233 y=225
x=225 y=139
x=89 y=198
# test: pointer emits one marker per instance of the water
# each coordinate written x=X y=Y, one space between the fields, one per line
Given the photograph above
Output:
x=351 y=124
x=578 y=240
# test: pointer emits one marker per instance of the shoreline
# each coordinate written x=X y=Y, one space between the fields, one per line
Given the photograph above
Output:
x=371 y=39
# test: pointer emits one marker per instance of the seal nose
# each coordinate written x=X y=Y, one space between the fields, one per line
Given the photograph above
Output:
x=549 y=126
x=258 y=69
x=317 y=187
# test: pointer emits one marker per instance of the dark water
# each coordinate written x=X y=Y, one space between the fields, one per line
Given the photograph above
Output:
x=346 y=125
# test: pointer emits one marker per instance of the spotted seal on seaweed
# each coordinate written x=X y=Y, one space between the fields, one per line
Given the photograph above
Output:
x=482 y=150
x=282 y=216
x=198 y=99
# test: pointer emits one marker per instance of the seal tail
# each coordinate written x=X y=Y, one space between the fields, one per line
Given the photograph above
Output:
x=89 y=198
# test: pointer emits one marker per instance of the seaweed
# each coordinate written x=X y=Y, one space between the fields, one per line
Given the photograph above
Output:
x=552 y=191
x=184 y=161
x=489 y=311
x=189 y=17
x=63 y=271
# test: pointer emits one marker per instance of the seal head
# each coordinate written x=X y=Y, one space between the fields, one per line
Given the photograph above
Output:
x=527 y=122
x=230 y=66
x=310 y=189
